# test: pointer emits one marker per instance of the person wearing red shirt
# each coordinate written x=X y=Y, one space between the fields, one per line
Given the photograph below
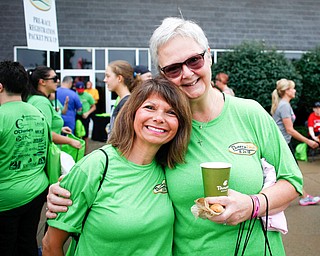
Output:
x=314 y=122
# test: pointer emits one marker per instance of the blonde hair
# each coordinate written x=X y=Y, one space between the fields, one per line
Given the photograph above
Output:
x=277 y=94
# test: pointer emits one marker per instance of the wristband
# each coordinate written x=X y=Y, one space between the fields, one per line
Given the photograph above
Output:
x=256 y=206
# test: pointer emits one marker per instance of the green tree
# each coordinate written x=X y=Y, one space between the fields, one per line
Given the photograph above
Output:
x=309 y=69
x=253 y=71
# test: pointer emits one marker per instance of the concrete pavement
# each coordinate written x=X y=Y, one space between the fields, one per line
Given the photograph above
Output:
x=303 y=237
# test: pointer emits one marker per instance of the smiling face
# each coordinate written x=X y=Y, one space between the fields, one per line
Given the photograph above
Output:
x=193 y=82
x=155 y=122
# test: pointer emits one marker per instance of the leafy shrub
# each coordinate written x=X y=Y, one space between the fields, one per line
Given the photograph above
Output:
x=309 y=69
x=253 y=71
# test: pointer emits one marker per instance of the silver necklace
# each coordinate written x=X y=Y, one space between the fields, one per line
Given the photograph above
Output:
x=204 y=125
x=202 y=128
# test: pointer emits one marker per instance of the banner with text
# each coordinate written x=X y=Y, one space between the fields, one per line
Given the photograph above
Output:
x=41 y=25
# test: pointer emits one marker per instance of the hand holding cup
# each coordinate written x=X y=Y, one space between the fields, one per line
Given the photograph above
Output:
x=215 y=177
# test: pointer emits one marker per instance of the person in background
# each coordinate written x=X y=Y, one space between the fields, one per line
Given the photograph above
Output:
x=224 y=128
x=222 y=83
x=143 y=72
x=74 y=103
x=61 y=109
x=314 y=122
x=284 y=117
x=23 y=149
x=95 y=94
x=120 y=79
x=88 y=107
x=157 y=125
x=43 y=81
x=92 y=91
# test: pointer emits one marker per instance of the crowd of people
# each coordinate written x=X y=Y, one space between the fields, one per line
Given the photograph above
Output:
x=35 y=110
x=160 y=130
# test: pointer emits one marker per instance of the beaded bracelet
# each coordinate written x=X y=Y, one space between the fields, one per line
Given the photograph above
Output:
x=256 y=206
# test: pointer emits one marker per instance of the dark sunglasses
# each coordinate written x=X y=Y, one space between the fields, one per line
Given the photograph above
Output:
x=174 y=70
x=55 y=78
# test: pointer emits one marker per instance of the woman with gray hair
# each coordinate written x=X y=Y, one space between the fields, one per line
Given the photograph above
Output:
x=227 y=129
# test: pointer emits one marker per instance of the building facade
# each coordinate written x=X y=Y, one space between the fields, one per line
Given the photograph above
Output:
x=93 y=33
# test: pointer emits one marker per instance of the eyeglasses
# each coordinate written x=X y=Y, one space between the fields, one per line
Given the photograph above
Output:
x=55 y=78
x=174 y=70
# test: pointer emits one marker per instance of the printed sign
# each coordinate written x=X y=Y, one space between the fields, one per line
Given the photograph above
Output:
x=41 y=25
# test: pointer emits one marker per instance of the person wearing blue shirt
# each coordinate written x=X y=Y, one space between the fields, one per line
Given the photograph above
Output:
x=74 y=105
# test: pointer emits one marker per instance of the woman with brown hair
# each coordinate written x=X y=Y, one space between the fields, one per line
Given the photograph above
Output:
x=43 y=81
x=120 y=79
x=132 y=211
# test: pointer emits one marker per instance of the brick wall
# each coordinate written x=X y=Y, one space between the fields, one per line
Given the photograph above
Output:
x=285 y=24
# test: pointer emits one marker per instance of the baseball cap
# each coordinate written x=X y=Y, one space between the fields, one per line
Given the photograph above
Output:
x=80 y=87
x=316 y=104
x=141 y=70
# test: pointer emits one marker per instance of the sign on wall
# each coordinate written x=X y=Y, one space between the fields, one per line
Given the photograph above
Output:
x=41 y=25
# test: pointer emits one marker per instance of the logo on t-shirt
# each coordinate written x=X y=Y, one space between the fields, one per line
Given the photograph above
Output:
x=243 y=148
x=160 y=188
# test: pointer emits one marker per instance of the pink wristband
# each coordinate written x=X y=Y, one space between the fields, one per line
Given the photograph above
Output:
x=256 y=206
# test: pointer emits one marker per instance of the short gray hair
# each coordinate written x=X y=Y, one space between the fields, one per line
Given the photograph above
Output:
x=67 y=79
x=169 y=29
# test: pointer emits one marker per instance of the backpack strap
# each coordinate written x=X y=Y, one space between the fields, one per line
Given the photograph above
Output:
x=76 y=237
x=105 y=168
x=100 y=184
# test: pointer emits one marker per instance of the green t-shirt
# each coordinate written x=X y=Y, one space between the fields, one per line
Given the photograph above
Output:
x=132 y=213
x=59 y=106
x=87 y=101
x=241 y=135
x=23 y=149
x=53 y=118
